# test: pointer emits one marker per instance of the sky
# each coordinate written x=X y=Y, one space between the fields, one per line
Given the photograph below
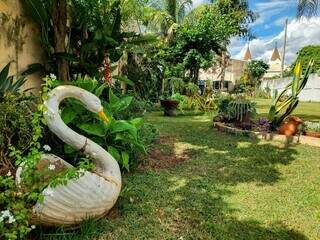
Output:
x=268 y=30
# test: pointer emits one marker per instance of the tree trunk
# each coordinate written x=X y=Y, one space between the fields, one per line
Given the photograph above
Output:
x=60 y=17
x=223 y=69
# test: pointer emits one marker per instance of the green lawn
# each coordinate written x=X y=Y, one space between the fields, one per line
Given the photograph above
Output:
x=230 y=188
x=307 y=111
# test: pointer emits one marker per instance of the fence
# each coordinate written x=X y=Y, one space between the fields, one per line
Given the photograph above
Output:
x=310 y=93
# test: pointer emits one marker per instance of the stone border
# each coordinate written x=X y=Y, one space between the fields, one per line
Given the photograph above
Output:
x=311 y=141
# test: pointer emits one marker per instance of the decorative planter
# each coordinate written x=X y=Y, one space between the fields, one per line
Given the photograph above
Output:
x=290 y=127
x=170 y=107
x=91 y=195
x=311 y=141
x=312 y=134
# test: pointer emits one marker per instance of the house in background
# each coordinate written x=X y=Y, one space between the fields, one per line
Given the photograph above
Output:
x=232 y=74
x=236 y=67
x=274 y=64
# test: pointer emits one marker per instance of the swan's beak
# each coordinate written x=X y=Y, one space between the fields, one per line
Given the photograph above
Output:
x=103 y=116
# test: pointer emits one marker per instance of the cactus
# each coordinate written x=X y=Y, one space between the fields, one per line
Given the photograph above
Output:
x=281 y=109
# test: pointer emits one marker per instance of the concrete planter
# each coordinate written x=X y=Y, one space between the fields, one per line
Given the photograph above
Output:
x=311 y=141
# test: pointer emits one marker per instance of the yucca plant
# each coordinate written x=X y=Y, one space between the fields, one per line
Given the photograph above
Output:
x=284 y=103
x=9 y=83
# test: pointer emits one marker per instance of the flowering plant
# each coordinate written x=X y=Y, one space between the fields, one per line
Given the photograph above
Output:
x=17 y=200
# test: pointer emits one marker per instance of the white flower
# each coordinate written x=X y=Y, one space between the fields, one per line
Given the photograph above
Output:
x=52 y=167
x=33 y=227
x=48 y=192
x=81 y=171
x=94 y=154
x=9 y=174
x=52 y=76
x=5 y=213
x=47 y=148
x=11 y=219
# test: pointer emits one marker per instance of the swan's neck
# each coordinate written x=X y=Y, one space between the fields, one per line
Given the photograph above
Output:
x=106 y=165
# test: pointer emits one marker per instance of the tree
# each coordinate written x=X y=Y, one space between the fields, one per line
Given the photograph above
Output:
x=307 y=8
x=256 y=69
x=306 y=54
x=198 y=40
x=164 y=16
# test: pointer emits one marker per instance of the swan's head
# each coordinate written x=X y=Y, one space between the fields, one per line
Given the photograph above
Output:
x=93 y=104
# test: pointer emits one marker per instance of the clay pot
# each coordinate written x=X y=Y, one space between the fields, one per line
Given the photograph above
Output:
x=313 y=134
x=291 y=126
x=170 y=107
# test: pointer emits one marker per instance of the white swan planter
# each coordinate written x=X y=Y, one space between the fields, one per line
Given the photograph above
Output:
x=93 y=194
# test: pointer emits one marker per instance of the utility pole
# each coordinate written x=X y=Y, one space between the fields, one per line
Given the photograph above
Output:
x=284 y=46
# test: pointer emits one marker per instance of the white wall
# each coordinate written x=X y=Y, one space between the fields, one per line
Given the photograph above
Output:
x=311 y=92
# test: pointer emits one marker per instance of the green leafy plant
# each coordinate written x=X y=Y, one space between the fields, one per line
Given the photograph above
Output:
x=10 y=83
x=119 y=137
x=21 y=146
x=242 y=109
x=16 y=127
x=285 y=103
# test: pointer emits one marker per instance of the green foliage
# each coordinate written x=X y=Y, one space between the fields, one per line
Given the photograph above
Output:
x=312 y=126
x=284 y=103
x=16 y=126
x=9 y=83
x=241 y=108
x=119 y=137
x=22 y=131
x=305 y=55
x=232 y=108
x=256 y=69
x=196 y=42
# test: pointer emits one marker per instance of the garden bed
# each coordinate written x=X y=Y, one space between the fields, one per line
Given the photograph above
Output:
x=311 y=141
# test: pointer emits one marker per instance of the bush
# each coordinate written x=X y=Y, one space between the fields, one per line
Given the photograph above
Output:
x=231 y=108
x=16 y=128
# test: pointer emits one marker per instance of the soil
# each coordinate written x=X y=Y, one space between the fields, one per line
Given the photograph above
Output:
x=165 y=154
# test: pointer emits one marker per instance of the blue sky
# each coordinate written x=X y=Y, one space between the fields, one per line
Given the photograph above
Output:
x=269 y=30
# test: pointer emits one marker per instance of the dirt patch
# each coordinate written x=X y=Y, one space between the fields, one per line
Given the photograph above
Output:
x=114 y=213
x=166 y=153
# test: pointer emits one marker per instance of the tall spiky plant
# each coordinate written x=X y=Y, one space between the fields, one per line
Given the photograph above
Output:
x=281 y=109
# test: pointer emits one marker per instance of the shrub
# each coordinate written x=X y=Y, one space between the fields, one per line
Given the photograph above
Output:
x=16 y=127
x=232 y=108
x=120 y=137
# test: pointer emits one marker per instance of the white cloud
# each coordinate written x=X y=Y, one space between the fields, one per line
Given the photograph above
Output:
x=270 y=9
x=300 y=33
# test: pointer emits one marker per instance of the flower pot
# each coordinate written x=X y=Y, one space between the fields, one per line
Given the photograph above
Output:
x=290 y=127
x=170 y=107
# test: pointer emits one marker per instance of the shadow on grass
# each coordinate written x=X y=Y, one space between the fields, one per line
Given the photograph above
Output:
x=188 y=201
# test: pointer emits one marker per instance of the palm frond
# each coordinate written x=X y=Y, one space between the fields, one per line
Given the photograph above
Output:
x=307 y=8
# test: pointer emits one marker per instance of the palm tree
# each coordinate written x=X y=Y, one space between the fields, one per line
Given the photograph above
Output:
x=166 y=14
x=307 y=8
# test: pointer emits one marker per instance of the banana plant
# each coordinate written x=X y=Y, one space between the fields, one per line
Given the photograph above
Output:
x=283 y=104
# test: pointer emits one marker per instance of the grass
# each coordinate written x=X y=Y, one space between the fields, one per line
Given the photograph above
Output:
x=231 y=188
x=307 y=111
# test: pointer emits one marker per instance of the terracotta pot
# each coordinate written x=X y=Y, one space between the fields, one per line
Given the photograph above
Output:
x=290 y=127
x=313 y=134
x=170 y=107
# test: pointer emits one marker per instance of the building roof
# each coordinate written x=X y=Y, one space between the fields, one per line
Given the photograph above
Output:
x=275 y=54
x=247 y=55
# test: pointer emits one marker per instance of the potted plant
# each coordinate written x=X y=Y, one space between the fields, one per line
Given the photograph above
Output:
x=290 y=126
x=311 y=129
x=169 y=105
